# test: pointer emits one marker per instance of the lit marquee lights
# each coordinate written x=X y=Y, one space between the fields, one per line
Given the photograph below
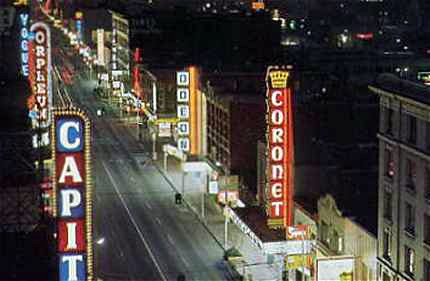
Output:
x=40 y=111
x=72 y=194
x=279 y=148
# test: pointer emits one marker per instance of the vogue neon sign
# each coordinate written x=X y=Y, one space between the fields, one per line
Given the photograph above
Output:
x=24 y=43
x=72 y=194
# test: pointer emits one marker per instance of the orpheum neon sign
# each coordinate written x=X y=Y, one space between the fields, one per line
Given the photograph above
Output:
x=43 y=90
x=279 y=148
x=72 y=194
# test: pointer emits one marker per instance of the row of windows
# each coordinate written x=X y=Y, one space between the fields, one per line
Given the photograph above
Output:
x=409 y=217
x=410 y=173
x=409 y=257
x=411 y=130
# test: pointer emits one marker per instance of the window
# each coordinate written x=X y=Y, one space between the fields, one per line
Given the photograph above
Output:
x=427 y=229
x=410 y=174
x=388 y=198
x=409 y=261
x=389 y=163
x=387 y=244
x=427 y=135
x=426 y=270
x=324 y=233
x=412 y=129
x=410 y=218
x=427 y=184
x=389 y=113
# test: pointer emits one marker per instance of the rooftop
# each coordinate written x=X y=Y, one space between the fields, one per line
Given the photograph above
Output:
x=402 y=87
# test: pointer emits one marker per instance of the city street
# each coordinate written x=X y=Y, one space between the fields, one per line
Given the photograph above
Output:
x=140 y=233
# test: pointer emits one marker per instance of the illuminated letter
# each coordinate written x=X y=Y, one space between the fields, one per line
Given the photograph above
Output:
x=70 y=198
x=24 y=46
x=277 y=190
x=277 y=172
x=24 y=19
x=277 y=153
x=40 y=37
x=73 y=266
x=71 y=235
x=277 y=117
x=277 y=207
x=64 y=139
x=40 y=62
x=70 y=169
x=40 y=51
x=24 y=33
x=277 y=134
x=274 y=99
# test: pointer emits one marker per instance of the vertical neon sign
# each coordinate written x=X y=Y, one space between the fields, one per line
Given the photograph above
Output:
x=72 y=194
x=280 y=148
x=23 y=18
x=42 y=76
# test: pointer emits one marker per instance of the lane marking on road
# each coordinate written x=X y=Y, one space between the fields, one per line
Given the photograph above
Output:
x=147 y=204
x=139 y=232
x=185 y=261
x=158 y=220
x=170 y=239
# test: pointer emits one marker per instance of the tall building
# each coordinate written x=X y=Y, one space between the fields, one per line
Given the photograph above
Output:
x=404 y=179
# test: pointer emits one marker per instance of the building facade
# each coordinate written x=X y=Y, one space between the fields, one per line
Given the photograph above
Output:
x=340 y=235
x=404 y=180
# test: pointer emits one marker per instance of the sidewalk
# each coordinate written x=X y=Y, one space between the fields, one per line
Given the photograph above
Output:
x=255 y=265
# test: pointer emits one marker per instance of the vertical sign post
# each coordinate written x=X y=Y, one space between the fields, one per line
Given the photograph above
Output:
x=72 y=194
x=280 y=148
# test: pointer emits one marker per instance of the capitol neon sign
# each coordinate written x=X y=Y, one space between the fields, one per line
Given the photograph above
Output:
x=72 y=194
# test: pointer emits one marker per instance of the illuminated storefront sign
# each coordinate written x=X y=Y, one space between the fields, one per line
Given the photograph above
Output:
x=42 y=91
x=183 y=109
x=79 y=30
x=280 y=148
x=72 y=194
x=23 y=18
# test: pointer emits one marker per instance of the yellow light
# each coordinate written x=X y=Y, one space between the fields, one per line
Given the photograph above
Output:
x=20 y=3
x=193 y=111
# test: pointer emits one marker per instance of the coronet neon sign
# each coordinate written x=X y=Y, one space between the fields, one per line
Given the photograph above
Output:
x=72 y=194
x=42 y=75
x=279 y=148
x=23 y=18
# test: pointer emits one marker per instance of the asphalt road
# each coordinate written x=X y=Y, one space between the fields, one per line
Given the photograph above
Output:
x=146 y=236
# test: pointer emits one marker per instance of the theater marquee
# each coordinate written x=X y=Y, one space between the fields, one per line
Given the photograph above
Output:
x=72 y=194
x=280 y=149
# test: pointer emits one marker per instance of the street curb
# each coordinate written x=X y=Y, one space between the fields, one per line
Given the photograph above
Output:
x=167 y=178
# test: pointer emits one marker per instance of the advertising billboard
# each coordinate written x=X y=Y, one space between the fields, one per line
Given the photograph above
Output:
x=279 y=148
x=40 y=108
x=340 y=268
x=72 y=194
